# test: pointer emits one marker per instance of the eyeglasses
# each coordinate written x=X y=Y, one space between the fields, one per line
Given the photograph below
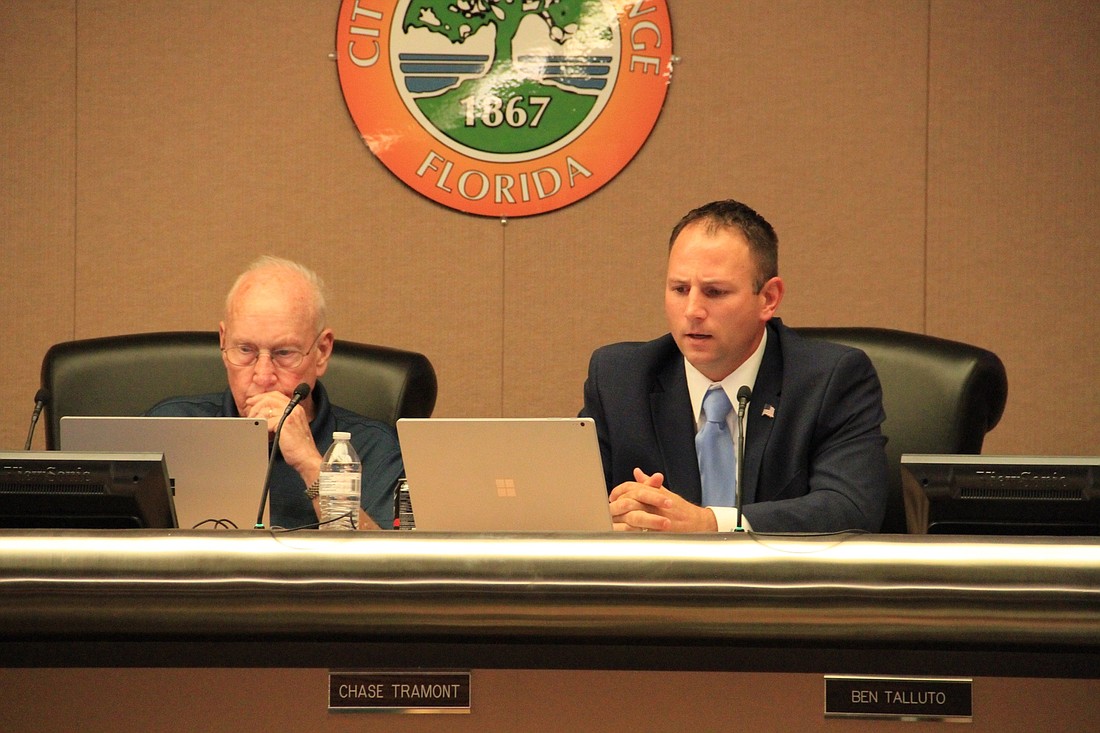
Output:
x=246 y=355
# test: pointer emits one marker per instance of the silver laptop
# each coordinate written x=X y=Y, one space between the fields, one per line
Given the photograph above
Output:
x=216 y=464
x=504 y=474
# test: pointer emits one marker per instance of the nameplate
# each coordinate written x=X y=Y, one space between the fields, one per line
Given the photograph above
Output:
x=399 y=692
x=904 y=698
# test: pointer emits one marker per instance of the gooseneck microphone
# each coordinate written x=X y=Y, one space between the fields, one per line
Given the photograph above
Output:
x=41 y=397
x=743 y=396
x=300 y=393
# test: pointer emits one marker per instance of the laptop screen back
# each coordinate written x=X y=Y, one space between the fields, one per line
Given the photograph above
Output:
x=216 y=464
x=504 y=474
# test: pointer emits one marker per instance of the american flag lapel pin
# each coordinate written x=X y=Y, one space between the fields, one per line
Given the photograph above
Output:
x=768 y=411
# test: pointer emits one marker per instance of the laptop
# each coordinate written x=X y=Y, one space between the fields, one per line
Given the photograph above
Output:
x=504 y=474
x=216 y=464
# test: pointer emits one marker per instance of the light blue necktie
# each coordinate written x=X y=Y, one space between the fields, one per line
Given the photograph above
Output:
x=715 y=448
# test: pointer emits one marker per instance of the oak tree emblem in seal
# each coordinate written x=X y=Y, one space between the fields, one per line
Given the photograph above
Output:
x=504 y=108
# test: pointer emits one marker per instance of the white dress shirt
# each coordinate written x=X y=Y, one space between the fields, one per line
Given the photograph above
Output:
x=698 y=385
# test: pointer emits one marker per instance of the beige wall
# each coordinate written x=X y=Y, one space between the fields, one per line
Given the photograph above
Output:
x=930 y=166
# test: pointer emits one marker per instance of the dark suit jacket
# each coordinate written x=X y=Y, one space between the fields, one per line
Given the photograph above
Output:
x=817 y=465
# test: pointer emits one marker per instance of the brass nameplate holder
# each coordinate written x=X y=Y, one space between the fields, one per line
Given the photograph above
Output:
x=899 y=698
x=399 y=692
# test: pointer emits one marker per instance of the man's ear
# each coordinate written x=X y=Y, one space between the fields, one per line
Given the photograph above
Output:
x=324 y=350
x=771 y=295
x=221 y=341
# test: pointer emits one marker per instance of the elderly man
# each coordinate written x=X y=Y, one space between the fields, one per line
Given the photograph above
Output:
x=273 y=338
x=666 y=411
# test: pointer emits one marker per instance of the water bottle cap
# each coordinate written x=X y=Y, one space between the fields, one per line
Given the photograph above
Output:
x=340 y=435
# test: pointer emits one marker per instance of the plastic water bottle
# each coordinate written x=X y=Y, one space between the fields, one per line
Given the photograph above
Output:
x=341 y=479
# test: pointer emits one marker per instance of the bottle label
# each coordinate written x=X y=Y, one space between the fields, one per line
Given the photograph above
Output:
x=338 y=483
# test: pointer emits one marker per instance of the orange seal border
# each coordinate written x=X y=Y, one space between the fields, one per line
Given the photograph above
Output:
x=493 y=188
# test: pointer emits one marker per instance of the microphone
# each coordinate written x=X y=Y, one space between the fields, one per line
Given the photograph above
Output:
x=300 y=393
x=743 y=396
x=41 y=397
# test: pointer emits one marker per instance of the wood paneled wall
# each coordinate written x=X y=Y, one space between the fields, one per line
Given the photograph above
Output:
x=930 y=166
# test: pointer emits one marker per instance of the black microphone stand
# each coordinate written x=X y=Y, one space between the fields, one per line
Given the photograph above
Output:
x=743 y=396
x=300 y=393
x=40 y=399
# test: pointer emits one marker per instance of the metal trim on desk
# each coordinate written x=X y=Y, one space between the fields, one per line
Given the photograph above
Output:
x=1024 y=596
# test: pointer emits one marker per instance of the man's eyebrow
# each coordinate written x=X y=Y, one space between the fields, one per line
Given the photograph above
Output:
x=291 y=344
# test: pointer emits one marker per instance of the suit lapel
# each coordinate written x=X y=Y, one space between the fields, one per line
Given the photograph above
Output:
x=765 y=393
x=674 y=425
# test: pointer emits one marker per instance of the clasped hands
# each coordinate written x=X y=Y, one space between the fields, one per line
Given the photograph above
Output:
x=644 y=504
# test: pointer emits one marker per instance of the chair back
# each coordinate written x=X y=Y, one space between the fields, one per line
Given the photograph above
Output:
x=940 y=396
x=126 y=375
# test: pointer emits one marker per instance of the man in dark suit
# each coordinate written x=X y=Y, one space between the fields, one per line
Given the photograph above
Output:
x=814 y=458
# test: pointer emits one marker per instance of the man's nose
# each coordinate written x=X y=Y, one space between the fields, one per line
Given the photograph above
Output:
x=695 y=308
x=263 y=371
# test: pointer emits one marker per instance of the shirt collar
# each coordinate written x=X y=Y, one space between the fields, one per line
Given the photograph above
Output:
x=323 y=423
x=698 y=384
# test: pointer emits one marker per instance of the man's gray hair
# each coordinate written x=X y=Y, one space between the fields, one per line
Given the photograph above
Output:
x=271 y=262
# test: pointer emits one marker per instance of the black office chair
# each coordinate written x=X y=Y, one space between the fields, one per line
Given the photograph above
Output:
x=940 y=396
x=126 y=375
